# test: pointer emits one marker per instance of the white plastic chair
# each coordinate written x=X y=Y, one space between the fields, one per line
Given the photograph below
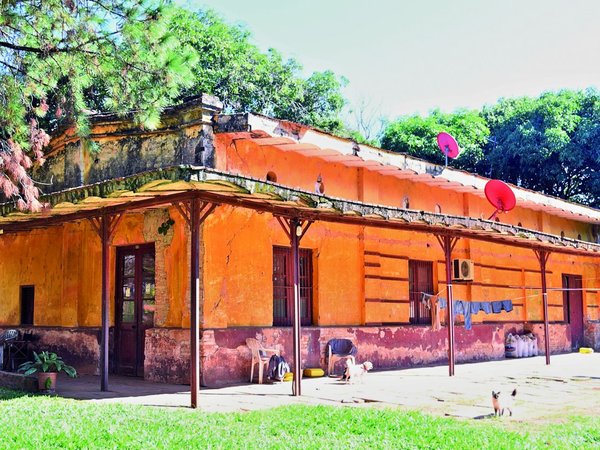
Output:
x=260 y=356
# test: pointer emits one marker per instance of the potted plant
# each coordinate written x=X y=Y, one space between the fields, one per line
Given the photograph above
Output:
x=47 y=365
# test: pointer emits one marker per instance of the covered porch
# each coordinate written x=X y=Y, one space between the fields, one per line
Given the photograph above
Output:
x=196 y=191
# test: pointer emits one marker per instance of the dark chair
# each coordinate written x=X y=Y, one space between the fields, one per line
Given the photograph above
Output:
x=6 y=338
x=340 y=349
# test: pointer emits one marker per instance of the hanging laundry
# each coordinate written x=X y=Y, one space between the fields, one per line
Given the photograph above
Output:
x=486 y=307
x=466 y=308
x=500 y=305
x=435 y=313
x=431 y=302
x=426 y=300
x=442 y=302
x=463 y=307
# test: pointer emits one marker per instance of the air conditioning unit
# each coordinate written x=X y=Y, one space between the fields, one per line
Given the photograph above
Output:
x=463 y=269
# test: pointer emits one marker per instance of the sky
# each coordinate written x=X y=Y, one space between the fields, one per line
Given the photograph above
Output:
x=407 y=57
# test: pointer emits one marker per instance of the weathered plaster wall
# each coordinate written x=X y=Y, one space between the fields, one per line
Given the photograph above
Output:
x=238 y=269
x=79 y=347
x=361 y=274
x=591 y=335
x=184 y=136
x=167 y=355
x=225 y=358
x=247 y=158
x=63 y=263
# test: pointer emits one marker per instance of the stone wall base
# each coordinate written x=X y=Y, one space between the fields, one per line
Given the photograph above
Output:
x=18 y=382
x=225 y=358
x=78 y=347
x=591 y=335
x=167 y=355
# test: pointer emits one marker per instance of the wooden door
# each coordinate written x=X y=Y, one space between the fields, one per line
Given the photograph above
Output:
x=573 y=308
x=420 y=280
x=135 y=306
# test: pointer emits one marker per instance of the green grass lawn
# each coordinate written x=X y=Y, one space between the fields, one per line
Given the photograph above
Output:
x=40 y=422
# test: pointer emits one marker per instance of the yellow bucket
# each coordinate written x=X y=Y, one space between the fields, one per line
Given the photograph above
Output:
x=313 y=373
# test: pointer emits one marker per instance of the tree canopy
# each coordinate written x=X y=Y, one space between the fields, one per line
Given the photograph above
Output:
x=62 y=60
x=246 y=79
x=549 y=144
x=59 y=57
x=416 y=136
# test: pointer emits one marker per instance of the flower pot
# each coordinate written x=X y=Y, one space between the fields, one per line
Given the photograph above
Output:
x=47 y=381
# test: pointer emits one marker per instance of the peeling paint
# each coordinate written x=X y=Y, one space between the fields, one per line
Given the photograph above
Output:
x=225 y=359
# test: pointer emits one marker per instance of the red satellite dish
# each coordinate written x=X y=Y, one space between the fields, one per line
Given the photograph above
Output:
x=500 y=195
x=448 y=145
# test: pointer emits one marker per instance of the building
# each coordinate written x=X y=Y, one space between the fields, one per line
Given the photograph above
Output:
x=191 y=226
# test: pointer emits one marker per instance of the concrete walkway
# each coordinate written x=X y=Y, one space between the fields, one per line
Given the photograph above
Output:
x=570 y=385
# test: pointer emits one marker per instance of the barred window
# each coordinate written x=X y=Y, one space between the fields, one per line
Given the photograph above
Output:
x=283 y=286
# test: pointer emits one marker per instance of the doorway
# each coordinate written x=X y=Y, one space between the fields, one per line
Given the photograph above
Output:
x=134 y=306
x=573 y=307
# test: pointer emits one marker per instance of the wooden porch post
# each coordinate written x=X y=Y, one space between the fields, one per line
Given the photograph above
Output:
x=194 y=301
x=295 y=243
x=447 y=243
x=105 y=305
x=542 y=256
x=105 y=226
x=195 y=212
x=295 y=229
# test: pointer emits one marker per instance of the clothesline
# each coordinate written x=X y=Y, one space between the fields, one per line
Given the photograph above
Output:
x=537 y=294
x=533 y=295
x=462 y=307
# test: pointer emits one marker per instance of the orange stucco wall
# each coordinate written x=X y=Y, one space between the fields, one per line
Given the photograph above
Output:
x=238 y=269
x=361 y=276
x=299 y=171
x=63 y=263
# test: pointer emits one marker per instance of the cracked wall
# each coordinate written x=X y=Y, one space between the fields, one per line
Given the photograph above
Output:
x=225 y=358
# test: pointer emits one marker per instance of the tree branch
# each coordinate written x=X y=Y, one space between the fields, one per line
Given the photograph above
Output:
x=43 y=51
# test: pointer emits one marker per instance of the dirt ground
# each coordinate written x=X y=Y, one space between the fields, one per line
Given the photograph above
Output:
x=570 y=385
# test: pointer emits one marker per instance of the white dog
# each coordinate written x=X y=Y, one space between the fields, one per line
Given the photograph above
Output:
x=355 y=372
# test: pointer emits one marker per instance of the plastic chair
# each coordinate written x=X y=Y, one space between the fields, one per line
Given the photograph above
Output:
x=260 y=356
x=338 y=349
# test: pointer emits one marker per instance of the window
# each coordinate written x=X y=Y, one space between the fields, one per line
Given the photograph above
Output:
x=27 y=295
x=283 y=286
x=420 y=280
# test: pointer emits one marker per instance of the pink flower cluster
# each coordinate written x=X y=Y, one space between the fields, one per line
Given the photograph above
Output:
x=15 y=181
